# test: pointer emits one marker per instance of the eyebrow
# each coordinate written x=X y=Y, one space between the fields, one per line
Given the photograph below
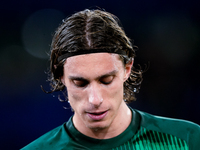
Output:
x=101 y=76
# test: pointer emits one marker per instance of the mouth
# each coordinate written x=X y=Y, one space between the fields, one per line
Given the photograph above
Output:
x=97 y=115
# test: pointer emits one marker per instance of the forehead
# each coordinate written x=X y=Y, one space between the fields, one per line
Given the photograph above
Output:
x=96 y=63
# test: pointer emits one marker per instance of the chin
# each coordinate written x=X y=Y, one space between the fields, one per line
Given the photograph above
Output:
x=97 y=126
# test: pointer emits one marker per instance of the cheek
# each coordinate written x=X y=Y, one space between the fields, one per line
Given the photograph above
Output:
x=72 y=92
x=76 y=99
x=115 y=91
x=75 y=96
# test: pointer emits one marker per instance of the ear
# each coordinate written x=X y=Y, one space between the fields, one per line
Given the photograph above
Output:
x=62 y=80
x=128 y=68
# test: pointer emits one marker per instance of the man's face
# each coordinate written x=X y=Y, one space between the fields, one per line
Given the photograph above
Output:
x=95 y=89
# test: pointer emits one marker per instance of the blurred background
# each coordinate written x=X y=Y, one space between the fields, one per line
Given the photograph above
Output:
x=166 y=32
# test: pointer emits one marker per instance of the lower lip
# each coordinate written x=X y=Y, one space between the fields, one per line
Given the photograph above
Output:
x=98 y=117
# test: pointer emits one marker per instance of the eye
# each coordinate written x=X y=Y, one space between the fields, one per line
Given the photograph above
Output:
x=80 y=83
x=107 y=80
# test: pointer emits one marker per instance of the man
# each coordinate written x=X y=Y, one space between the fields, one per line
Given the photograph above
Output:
x=93 y=58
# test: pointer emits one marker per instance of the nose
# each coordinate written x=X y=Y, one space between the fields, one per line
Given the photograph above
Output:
x=95 y=97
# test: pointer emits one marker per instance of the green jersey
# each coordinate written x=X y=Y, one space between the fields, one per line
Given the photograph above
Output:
x=145 y=132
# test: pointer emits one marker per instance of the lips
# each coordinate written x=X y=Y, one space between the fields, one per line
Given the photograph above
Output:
x=97 y=116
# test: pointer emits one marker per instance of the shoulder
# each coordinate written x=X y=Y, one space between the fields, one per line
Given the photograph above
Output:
x=50 y=140
x=156 y=122
x=186 y=130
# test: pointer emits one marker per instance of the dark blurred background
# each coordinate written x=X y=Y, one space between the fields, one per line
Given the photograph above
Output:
x=166 y=32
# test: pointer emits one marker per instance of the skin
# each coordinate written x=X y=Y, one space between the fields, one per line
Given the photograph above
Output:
x=95 y=91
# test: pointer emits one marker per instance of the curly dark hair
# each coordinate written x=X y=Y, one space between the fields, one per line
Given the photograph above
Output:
x=92 y=29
